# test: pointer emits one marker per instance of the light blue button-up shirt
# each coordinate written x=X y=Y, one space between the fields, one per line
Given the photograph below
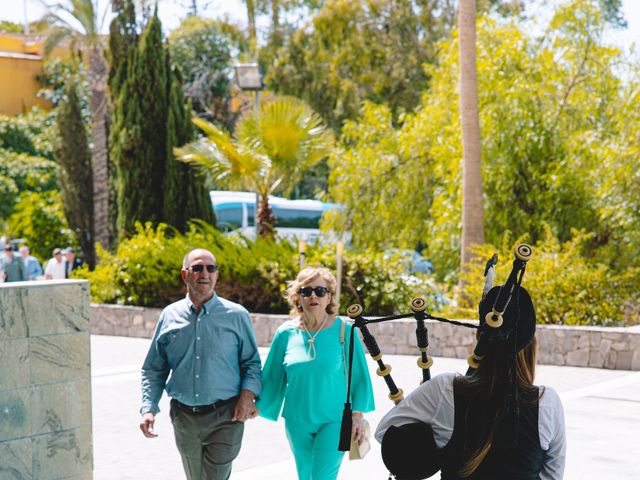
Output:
x=207 y=356
x=33 y=268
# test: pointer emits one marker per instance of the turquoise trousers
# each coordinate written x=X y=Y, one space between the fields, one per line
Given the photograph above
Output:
x=315 y=449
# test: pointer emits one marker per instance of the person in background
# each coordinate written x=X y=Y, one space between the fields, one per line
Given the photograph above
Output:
x=204 y=353
x=11 y=266
x=56 y=266
x=33 y=269
x=306 y=370
x=72 y=262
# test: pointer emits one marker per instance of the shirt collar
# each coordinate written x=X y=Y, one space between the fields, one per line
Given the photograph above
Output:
x=207 y=306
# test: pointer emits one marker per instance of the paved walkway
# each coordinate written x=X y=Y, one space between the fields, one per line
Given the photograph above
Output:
x=602 y=409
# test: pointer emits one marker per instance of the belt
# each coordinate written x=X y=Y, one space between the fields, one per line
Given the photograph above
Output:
x=202 y=409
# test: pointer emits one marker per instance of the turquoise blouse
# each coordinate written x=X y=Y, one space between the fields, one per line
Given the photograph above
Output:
x=313 y=391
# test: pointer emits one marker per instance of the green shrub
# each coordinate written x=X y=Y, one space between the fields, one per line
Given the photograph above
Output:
x=145 y=270
x=380 y=282
x=21 y=173
x=566 y=287
x=39 y=219
x=31 y=133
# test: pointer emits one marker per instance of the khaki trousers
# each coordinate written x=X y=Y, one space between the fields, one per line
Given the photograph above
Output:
x=208 y=443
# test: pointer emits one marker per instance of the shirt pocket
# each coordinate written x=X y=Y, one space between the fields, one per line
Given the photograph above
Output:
x=176 y=345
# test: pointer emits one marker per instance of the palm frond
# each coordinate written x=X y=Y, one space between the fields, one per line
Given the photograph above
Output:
x=85 y=12
x=54 y=37
x=290 y=133
x=218 y=154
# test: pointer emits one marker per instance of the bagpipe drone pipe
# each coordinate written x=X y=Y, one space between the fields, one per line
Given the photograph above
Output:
x=507 y=320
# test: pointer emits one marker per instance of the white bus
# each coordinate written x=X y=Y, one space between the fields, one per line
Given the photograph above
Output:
x=295 y=219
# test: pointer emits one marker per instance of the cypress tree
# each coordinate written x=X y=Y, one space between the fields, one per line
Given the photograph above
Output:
x=75 y=175
x=140 y=143
x=185 y=194
x=150 y=118
x=123 y=42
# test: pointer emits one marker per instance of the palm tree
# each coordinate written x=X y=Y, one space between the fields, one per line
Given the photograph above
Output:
x=272 y=149
x=472 y=209
x=85 y=38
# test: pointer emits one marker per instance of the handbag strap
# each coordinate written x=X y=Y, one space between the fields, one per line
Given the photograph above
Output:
x=344 y=357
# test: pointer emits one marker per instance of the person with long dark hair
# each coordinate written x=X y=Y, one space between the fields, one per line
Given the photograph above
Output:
x=492 y=423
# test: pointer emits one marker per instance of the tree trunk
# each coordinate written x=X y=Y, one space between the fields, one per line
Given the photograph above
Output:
x=472 y=209
x=251 y=18
x=277 y=34
x=99 y=149
x=265 y=220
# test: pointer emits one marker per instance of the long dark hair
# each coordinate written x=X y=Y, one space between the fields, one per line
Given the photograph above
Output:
x=489 y=385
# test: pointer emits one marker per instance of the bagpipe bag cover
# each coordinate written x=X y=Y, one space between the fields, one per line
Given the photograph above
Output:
x=409 y=451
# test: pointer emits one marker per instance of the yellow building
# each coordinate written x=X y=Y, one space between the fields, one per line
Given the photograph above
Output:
x=21 y=60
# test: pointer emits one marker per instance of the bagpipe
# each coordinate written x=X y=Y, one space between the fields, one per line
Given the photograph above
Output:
x=507 y=321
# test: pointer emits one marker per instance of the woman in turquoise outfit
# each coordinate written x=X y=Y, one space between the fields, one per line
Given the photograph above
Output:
x=305 y=370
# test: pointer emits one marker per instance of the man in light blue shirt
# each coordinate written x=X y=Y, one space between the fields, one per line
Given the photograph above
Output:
x=32 y=265
x=204 y=354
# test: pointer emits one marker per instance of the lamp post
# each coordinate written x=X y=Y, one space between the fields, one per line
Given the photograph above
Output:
x=249 y=79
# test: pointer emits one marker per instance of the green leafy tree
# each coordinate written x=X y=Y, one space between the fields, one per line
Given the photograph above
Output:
x=83 y=34
x=272 y=149
x=74 y=157
x=202 y=49
x=54 y=78
x=558 y=132
x=25 y=148
x=355 y=51
x=32 y=133
x=24 y=173
x=10 y=27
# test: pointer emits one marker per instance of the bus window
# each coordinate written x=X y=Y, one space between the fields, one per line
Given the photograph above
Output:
x=229 y=217
x=290 y=218
x=250 y=216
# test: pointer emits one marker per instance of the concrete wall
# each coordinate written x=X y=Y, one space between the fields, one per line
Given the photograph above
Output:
x=603 y=347
x=45 y=381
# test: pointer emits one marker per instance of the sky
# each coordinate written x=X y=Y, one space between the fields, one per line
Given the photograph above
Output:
x=172 y=11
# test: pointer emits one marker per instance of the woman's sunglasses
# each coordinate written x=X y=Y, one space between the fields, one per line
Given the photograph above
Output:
x=319 y=291
x=200 y=268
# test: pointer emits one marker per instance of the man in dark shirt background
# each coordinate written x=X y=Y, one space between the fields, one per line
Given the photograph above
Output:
x=11 y=266
x=73 y=262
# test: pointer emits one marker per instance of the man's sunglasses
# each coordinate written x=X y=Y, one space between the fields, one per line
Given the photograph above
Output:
x=319 y=291
x=200 y=268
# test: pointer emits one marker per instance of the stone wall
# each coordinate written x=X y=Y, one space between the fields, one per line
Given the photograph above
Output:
x=603 y=347
x=45 y=381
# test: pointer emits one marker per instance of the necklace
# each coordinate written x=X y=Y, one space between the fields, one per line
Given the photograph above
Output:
x=312 y=338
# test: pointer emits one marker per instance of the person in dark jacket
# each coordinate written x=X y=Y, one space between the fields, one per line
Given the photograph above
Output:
x=491 y=424
x=11 y=266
